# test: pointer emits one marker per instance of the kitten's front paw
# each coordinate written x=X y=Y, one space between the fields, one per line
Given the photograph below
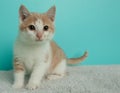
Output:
x=32 y=86
x=17 y=86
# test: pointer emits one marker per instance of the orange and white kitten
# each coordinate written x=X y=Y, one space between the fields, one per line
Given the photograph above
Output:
x=35 y=52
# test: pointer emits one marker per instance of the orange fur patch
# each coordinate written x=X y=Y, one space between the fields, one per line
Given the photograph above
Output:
x=18 y=66
x=57 y=55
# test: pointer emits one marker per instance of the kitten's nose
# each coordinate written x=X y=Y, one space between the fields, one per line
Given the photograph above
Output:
x=39 y=35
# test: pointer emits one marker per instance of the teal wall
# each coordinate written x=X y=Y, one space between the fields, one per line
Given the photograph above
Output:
x=92 y=25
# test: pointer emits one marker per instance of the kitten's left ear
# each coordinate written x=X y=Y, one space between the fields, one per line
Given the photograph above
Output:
x=51 y=13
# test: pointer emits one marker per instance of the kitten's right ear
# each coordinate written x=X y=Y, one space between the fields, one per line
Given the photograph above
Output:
x=23 y=12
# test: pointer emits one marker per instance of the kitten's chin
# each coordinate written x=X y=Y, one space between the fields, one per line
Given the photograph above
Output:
x=40 y=42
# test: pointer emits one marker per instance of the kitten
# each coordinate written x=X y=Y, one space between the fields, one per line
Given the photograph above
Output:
x=35 y=52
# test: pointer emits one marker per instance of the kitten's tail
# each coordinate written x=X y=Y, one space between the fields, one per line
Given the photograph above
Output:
x=77 y=60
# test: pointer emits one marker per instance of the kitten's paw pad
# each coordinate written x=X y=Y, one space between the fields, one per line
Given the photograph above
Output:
x=53 y=77
x=17 y=86
x=32 y=86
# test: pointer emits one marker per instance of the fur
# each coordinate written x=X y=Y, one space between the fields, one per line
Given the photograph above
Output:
x=35 y=52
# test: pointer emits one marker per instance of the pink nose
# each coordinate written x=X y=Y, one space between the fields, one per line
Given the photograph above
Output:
x=39 y=35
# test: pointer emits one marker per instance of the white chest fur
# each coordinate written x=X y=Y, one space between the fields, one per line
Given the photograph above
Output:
x=32 y=55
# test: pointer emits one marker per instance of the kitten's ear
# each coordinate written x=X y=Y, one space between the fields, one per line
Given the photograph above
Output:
x=23 y=12
x=51 y=13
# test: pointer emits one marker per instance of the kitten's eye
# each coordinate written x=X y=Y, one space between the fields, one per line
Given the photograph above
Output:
x=31 y=27
x=45 y=28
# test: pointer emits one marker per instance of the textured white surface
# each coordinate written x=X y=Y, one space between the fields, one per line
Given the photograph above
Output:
x=82 y=79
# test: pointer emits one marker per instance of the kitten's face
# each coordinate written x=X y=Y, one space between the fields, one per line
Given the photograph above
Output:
x=36 y=27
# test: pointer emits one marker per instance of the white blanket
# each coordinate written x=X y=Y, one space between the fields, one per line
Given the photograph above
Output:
x=82 y=79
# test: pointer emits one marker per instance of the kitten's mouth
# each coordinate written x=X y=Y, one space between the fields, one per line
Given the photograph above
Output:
x=39 y=40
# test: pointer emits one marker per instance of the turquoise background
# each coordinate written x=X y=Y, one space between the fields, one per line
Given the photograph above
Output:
x=92 y=25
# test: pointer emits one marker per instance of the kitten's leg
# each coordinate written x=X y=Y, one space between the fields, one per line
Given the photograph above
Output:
x=36 y=76
x=19 y=73
x=59 y=71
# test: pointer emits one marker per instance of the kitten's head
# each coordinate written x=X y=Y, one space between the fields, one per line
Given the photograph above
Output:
x=36 y=27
